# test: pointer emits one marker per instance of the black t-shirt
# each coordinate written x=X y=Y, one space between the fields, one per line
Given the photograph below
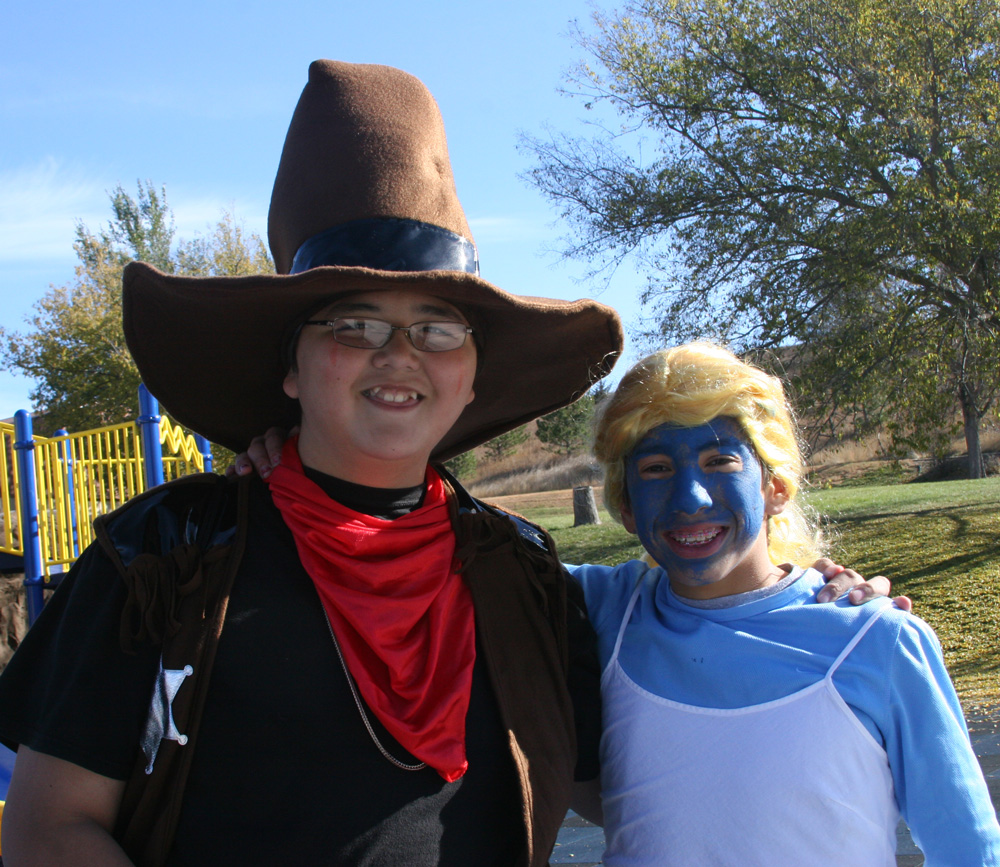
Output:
x=284 y=769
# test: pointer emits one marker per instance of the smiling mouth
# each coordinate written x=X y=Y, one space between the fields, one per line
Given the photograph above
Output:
x=696 y=537
x=392 y=395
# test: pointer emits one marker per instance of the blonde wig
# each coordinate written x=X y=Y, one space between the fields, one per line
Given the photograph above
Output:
x=691 y=385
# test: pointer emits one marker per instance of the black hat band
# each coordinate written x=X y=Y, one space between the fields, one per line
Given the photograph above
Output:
x=388 y=244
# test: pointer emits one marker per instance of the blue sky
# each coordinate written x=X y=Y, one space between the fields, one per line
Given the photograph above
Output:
x=197 y=96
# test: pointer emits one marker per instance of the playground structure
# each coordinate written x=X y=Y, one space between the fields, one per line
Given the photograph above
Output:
x=53 y=487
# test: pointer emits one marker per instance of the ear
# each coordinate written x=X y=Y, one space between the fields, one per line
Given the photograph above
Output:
x=628 y=519
x=291 y=384
x=775 y=496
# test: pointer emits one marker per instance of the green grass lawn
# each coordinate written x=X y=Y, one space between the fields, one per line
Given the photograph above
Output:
x=938 y=542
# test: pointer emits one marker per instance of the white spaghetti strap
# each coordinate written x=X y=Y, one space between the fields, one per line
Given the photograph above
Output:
x=625 y=619
x=879 y=611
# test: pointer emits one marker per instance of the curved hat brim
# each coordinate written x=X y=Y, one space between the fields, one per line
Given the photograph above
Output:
x=211 y=350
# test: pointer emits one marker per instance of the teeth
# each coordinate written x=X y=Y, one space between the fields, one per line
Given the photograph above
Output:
x=392 y=396
x=701 y=537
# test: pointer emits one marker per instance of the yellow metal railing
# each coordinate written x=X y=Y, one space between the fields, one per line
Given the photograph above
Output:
x=10 y=540
x=181 y=456
x=80 y=476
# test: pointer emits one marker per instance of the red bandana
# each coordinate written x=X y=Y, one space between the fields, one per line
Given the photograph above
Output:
x=402 y=616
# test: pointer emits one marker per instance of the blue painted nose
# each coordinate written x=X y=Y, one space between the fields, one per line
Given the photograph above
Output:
x=690 y=494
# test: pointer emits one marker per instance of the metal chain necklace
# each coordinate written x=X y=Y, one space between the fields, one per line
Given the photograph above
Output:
x=361 y=707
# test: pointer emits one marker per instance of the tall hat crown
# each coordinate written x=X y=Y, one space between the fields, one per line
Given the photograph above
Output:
x=365 y=142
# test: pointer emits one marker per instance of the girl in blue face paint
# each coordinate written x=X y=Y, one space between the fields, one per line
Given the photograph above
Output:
x=743 y=724
x=698 y=500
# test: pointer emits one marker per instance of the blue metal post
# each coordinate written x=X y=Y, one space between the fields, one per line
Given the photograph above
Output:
x=149 y=430
x=24 y=445
x=66 y=455
x=205 y=447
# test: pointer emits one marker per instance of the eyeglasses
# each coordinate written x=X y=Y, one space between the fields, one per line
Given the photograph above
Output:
x=375 y=333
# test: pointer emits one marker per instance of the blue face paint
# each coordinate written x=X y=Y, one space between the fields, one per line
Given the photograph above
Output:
x=697 y=503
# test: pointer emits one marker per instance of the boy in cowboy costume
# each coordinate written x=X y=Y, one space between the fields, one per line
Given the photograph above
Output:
x=356 y=663
x=390 y=661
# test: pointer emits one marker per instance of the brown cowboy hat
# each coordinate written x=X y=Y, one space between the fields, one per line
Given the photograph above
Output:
x=364 y=200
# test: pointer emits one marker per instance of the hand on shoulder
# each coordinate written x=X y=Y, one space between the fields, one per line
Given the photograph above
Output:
x=841 y=580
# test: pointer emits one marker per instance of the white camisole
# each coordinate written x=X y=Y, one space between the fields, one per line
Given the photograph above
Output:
x=788 y=783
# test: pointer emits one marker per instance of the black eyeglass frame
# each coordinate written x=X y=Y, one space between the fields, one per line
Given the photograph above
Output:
x=406 y=329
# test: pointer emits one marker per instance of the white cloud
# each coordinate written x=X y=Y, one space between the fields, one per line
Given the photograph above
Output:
x=197 y=216
x=502 y=230
x=40 y=206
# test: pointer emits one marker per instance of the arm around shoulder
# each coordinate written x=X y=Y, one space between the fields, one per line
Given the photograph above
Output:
x=58 y=813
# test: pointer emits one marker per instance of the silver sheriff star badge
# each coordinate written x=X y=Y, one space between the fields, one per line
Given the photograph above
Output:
x=160 y=724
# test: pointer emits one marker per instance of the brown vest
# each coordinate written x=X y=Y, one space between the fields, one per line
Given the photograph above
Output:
x=178 y=549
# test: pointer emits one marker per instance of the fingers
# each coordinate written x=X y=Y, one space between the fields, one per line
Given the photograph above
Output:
x=871 y=589
x=825 y=565
x=830 y=571
x=274 y=442
x=903 y=602
x=839 y=582
x=262 y=455
x=241 y=465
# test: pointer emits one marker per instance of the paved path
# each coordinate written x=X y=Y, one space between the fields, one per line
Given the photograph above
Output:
x=582 y=844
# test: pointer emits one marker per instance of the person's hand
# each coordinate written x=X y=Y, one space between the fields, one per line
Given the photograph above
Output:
x=263 y=454
x=840 y=581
